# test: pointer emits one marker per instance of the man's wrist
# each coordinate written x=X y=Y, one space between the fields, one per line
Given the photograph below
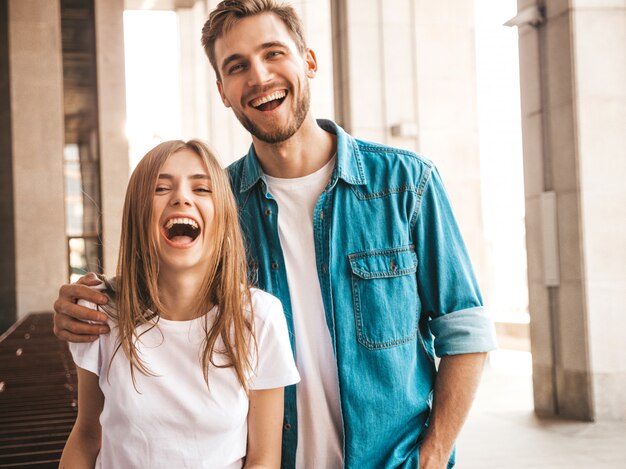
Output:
x=433 y=455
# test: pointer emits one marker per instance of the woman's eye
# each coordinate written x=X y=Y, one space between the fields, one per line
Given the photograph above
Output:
x=203 y=189
x=160 y=189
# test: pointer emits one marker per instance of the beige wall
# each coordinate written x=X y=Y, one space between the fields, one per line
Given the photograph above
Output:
x=573 y=76
x=114 y=165
x=36 y=78
x=599 y=46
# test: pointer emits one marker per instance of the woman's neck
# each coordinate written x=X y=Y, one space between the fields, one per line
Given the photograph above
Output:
x=179 y=294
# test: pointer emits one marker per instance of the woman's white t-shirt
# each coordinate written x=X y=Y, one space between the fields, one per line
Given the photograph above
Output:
x=172 y=419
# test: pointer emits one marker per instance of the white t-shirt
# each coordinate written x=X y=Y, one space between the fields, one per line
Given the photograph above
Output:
x=174 y=420
x=320 y=433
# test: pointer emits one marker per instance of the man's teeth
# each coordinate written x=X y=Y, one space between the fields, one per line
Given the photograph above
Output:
x=181 y=221
x=270 y=97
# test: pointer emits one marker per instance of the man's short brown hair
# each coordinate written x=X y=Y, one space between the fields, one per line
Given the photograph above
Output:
x=229 y=12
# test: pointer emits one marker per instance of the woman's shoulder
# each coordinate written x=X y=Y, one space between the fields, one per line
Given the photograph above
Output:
x=263 y=300
x=264 y=304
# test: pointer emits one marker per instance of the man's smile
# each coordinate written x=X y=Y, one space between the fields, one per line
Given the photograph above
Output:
x=269 y=102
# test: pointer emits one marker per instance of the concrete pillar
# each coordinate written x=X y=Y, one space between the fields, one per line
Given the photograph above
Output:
x=405 y=76
x=573 y=71
x=195 y=80
x=8 y=306
x=114 y=165
x=37 y=128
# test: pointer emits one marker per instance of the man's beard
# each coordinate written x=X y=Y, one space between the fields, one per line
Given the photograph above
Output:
x=278 y=135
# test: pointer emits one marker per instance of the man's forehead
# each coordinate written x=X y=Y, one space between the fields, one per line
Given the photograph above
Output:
x=250 y=33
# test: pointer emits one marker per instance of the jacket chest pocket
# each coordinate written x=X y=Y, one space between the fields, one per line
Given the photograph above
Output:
x=384 y=291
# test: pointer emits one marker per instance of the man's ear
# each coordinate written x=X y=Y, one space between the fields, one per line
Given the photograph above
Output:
x=311 y=63
x=221 y=91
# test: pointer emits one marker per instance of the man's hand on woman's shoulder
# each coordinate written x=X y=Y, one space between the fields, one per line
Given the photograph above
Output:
x=70 y=318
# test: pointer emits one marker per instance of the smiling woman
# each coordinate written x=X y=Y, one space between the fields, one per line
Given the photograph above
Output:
x=183 y=214
x=182 y=316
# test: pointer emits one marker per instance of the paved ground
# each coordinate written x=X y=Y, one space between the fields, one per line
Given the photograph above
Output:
x=502 y=431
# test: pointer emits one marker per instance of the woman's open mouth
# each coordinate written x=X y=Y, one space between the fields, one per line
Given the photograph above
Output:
x=181 y=231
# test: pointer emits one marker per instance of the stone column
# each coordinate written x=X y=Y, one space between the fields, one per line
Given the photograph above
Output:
x=573 y=75
x=114 y=165
x=195 y=83
x=37 y=129
x=405 y=76
x=8 y=306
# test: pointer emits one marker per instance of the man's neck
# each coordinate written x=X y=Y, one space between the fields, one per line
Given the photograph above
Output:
x=309 y=149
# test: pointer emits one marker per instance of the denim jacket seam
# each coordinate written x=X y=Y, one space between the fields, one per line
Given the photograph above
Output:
x=421 y=189
x=379 y=194
x=378 y=252
x=387 y=344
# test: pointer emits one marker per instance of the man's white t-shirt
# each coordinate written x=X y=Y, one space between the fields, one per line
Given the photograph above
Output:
x=172 y=419
x=320 y=433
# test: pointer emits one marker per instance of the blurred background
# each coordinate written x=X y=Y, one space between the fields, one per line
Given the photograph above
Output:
x=521 y=104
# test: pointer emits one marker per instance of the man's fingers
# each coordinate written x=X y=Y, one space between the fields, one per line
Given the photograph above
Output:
x=73 y=326
x=74 y=291
x=68 y=337
x=69 y=311
x=89 y=279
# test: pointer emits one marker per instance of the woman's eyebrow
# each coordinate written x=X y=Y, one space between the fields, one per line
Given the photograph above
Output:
x=193 y=176
x=200 y=176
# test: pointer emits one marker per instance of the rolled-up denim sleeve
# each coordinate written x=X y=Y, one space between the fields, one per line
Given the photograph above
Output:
x=448 y=290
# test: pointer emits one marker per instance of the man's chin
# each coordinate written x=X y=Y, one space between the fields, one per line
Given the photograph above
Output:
x=273 y=136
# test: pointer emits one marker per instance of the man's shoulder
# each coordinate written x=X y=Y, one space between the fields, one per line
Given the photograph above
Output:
x=402 y=165
x=374 y=153
x=235 y=174
x=234 y=168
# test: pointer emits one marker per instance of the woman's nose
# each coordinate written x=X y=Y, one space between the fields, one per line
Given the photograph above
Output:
x=180 y=197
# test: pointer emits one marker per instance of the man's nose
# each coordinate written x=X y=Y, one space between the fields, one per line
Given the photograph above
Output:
x=259 y=73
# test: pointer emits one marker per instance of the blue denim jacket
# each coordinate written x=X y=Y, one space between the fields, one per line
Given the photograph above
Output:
x=397 y=287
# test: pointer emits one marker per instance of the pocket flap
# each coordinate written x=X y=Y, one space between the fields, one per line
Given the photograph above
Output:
x=384 y=263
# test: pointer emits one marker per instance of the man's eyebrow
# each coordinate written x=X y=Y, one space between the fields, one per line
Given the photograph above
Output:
x=265 y=45
x=231 y=58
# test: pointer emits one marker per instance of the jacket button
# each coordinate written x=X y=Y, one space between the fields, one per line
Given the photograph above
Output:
x=393 y=266
x=267 y=212
x=275 y=265
x=324 y=268
x=287 y=426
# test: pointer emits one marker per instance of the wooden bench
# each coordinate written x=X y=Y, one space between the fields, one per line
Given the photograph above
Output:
x=37 y=394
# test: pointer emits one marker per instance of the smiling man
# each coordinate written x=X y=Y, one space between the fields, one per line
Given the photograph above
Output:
x=359 y=242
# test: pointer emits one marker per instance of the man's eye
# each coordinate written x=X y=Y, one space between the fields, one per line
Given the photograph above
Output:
x=274 y=53
x=235 y=68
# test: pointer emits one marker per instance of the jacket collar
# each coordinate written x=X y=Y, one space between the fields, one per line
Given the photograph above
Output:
x=349 y=161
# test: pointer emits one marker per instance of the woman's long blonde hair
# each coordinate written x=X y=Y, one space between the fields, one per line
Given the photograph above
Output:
x=135 y=291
